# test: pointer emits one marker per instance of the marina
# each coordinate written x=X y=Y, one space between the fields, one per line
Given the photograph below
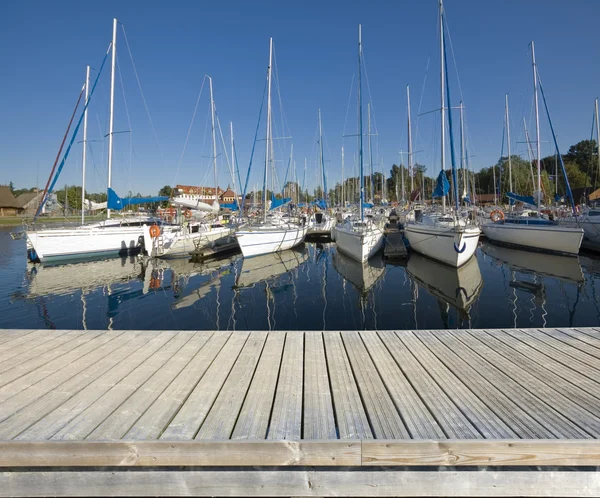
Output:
x=362 y=412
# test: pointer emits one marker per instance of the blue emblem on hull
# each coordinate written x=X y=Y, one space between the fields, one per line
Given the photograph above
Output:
x=462 y=249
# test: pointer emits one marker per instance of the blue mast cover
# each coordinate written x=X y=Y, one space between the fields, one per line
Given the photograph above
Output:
x=116 y=203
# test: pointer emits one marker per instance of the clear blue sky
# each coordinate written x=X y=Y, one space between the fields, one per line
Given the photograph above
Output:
x=45 y=46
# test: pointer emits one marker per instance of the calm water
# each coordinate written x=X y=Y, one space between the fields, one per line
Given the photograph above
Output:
x=312 y=288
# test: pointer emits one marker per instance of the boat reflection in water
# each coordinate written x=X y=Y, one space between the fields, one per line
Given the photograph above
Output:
x=456 y=288
x=362 y=275
x=268 y=266
x=543 y=264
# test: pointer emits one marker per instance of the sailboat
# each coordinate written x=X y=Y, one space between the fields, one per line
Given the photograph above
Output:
x=106 y=238
x=359 y=239
x=271 y=234
x=191 y=234
x=320 y=224
x=533 y=232
x=446 y=237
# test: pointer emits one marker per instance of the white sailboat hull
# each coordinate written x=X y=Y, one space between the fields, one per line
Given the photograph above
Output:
x=359 y=245
x=453 y=246
x=255 y=241
x=549 y=238
x=78 y=243
x=180 y=243
x=323 y=228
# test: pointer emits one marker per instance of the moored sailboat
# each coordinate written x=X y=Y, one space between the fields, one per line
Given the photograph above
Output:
x=362 y=238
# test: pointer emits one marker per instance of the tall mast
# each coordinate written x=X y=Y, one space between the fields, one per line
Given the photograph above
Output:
x=322 y=158
x=597 y=138
x=85 y=114
x=111 y=108
x=537 y=125
x=402 y=176
x=343 y=197
x=410 y=167
x=233 y=165
x=360 y=130
x=268 y=152
x=371 y=178
x=214 y=140
x=510 y=184
x=463 y=160
x=442 y=98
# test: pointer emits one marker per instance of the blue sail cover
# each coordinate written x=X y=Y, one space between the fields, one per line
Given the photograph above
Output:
x=116 y=203
x=525 y=199
x=467 y=199
x=275 y=203
x=368 y=204
x=233 y=206
x=321 y=204
x=443 y=186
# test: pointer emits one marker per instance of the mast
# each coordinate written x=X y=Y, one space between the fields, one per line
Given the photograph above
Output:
x=233 y=165
x=402 y=176
x=214 y=140
x=597 y=138
x=360 y=130
x=537 y=125
x=111 y=108
x=371 y=178
x=85 y=114
x=442 y=98
x=410 y=167
x=268 y=147
x=510 y=184
x=343 y=197
x=463 y=159
x=322 y=159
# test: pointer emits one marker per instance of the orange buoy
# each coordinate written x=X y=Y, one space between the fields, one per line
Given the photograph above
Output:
x=154 y=231
x=496 y=215
x=187 y=213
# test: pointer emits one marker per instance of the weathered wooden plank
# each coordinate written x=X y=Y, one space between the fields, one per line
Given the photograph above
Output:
x=575 y=343
x=32 y=348
x=221 y=419
x=384 y=418
x=190 y=416
x=480 y=415
x=419 y=421
x=23 y=368
x=286 y=418
x=508 y=452
x=586 y=405
x=543 y=403
x=20 y=393
x=116 y=425
x=23 y=338
x=556 y=354
x=156 y=418
x=447 y=414
x=301 y=483
x=26 y=422
x=319 y=422
x=178 y=453
x=133 y=373
x=483 y=382
x=350 y=413
x=7 y=335
x=255 y=414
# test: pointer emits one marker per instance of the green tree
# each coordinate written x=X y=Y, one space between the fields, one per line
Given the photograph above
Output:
x=577 y=178
x=584 y=154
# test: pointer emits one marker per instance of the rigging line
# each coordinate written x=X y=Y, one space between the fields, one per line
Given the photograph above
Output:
x=452 y=52
x=224 y=147
x=142 y=94
x=284 y=122
x=189 y=130
x=417 y=134
x=348 y=105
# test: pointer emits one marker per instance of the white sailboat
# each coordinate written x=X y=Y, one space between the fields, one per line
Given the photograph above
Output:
x=359 y=239
x=107 y=238
x=191 y=235
x=271 y=234
x=445 y=237
x=530 y=232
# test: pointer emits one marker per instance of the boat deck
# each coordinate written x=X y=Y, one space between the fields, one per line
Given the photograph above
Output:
x=345 y=409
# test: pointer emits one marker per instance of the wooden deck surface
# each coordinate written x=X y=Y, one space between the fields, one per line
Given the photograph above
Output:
x=354 y=399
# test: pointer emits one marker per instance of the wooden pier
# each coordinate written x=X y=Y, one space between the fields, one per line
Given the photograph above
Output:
x=362 y=413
